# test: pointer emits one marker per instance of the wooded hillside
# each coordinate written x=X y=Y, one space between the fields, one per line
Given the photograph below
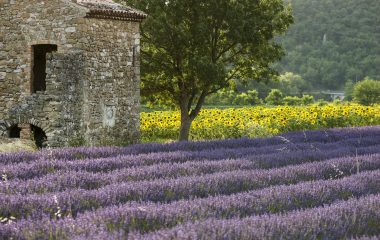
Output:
x=333 y=41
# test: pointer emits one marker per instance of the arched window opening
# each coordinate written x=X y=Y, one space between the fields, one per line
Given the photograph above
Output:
x=15 y=132
x=39 y=66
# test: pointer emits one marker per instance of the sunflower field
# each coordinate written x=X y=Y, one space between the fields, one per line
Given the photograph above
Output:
x=257 y=121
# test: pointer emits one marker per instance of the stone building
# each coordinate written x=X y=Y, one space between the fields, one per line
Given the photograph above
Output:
x=70 y=71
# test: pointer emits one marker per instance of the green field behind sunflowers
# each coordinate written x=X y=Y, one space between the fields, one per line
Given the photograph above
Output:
x=260 y=121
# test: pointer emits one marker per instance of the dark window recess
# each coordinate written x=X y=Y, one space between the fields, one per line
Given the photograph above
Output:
x=14 y=132
x=39 y=66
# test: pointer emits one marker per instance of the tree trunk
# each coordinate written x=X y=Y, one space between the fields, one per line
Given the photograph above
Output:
x=188 y=115
x=184 y=131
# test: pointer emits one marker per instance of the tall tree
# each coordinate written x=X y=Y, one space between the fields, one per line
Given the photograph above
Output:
x=193 y=48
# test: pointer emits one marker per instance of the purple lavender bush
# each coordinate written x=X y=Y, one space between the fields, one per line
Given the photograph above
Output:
x=301 y=185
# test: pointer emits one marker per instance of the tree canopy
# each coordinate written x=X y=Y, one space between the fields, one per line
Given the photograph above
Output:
x=193 y=48
x=367 y=92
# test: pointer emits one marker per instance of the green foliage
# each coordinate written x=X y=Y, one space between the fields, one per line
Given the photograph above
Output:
x=191 y=49
x=290 y=84
x=222 y=97
x=297 y=101
x=275 y=97
x=292 y=101
x=251 y=97
x=332 y=41
x=367 y=92
x=321 y=103
x=349 y=90
x=230 y=97
x=307 y=99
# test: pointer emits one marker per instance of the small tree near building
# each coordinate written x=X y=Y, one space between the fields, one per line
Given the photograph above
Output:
x=193 y=48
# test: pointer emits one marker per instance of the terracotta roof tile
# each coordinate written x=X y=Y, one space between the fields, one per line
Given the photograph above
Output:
x=107 y=9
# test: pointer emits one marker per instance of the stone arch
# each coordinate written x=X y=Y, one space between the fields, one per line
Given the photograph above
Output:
x=6 y=126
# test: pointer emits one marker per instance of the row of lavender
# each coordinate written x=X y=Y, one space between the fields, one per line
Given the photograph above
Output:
x=326 y=136
x=74 y=201
x=264 y=157
x=168 y=193
x=70 y=179
x=134 y=216
x=341 y=220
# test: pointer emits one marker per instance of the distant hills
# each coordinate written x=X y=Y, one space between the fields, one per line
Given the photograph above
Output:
x=333 y=41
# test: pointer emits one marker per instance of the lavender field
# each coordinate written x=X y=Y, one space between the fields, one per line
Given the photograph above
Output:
x=305 y=185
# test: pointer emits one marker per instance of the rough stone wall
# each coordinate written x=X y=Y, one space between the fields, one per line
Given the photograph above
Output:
x=92 y=94
x=113 y=86
x=56 y=110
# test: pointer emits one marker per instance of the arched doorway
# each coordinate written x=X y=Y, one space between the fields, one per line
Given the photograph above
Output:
x=29 y=132
x=39 y=136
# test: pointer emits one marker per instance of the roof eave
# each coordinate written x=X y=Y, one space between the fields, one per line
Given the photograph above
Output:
x=116 y=15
